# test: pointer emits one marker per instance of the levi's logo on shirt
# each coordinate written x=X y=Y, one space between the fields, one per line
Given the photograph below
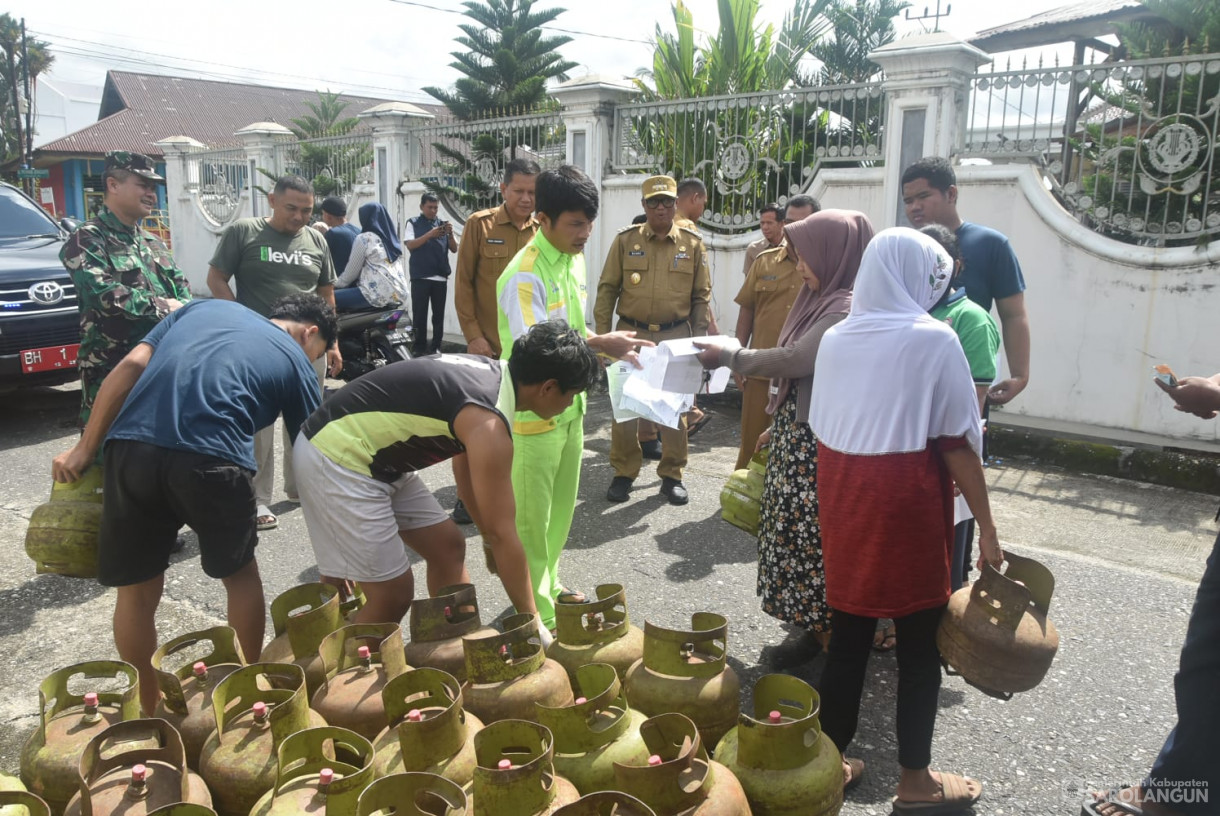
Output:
x=296 y=258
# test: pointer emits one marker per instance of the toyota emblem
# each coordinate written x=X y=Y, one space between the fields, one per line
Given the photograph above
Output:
x=46 y=293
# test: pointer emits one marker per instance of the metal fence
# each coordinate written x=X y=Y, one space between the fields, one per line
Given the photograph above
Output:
x=334 y=164
x=463 y=162
x=1129 y=148
x=218 y=178
x=751 y=149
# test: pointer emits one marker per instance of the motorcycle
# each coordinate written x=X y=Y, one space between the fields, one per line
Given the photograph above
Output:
x=373 y=337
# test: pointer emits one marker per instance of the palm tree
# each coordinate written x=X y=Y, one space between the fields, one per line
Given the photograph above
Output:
x=12 y=73
x=860 y=27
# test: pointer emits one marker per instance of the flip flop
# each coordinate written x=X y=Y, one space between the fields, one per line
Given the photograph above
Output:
x=889 y=639
x=956 y=796
x=857 y=774
x=694 y=427
x=572 y=596
x=1092 y=806
x=264 y=519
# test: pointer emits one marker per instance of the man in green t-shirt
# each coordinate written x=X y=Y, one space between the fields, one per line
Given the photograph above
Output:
x=547 y=281
x=271 y=258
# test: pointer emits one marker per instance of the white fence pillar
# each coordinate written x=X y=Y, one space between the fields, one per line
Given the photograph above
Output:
x=926 y=82
x=259 y=140
x=392 y=124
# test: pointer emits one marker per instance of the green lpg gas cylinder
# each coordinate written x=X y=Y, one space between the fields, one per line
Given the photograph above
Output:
x=429 y=731
x=318 y=770
x=515 y=775
x=596 y=631
x=678 y=778
x=507 y=673
x=301 y=617
x=606 y=803
x=413 y=794
x=438 y=625
x=186 y=692
x=62 y=534
x=51 y=757
x=17 y=801
x=596 y=731
x=741 y=496
x=356 y=673
x=686 y=671
x=786 y=765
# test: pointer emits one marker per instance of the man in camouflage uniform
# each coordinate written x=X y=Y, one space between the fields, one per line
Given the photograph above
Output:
x=125 y=277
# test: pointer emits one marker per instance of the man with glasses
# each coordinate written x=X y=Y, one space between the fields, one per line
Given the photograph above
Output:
x=656 y=278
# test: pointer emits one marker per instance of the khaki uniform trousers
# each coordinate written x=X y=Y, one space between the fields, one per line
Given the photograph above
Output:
x=625 y=453
x=754 y=417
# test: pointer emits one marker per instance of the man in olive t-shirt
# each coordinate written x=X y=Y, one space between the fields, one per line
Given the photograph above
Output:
x=271 y=258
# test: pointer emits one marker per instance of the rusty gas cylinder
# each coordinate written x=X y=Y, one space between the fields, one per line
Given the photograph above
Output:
x=785 y=764
x=413 y=794
x=515 y=775
x=507 y=673
x=319 y=770
x=186 y=692
x=678 y=777
x=132 y=768
x=183 y=809
x=596 y=731
x=256 y=708
x=429 y=731
x=359 y=659
x=606 y=803
x=301 y=617
x=686 y=671
x=351 y=600
x=68 y=721
x=62 y=533
x=438 y=625
x=741 y=496
x=996 y=633
x=596 y=632
x=19 y=801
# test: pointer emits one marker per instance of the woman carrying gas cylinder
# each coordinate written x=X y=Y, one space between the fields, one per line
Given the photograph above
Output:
x=826 y=248
x=897 y=424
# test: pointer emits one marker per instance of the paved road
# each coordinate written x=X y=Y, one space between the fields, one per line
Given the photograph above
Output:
x=1126 y=557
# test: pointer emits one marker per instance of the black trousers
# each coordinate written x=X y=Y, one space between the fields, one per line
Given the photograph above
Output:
x=851 y=643
x=425 y=293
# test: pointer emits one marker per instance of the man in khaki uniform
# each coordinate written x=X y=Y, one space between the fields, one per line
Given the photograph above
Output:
x=490 y=240
x=771 y=286
x=656 y=278
x=771 y=225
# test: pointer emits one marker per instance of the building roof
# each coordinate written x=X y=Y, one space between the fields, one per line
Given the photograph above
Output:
x=139 y=110
x=1077 y=21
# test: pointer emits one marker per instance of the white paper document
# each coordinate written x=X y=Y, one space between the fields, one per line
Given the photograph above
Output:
x=675 y=367
x=663 y=389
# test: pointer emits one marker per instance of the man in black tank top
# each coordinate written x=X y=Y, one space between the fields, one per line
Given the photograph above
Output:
x=359 y=453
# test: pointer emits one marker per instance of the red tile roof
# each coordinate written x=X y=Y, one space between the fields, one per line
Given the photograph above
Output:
x=139 y=110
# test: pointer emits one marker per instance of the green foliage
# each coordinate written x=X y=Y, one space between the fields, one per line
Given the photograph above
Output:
x=505 y=59
x=1186 y=26
x=331 y=167
x=12 y=74
x=860 y=27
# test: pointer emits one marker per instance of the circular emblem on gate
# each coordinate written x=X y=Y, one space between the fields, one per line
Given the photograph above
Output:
x=1174 y=148
x=46 y=293
x=735 y=159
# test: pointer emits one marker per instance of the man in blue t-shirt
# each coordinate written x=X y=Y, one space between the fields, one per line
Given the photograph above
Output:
x=990 y=270
x=178 y=416
x=340 y=233
x=430 y=243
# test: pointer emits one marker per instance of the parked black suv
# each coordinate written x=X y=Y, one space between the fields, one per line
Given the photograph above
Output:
x=39 y=323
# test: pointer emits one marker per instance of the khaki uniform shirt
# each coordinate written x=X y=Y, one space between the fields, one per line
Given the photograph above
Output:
x=655 y=279
x=770 y=290
x=755 y=249
x=489 y=242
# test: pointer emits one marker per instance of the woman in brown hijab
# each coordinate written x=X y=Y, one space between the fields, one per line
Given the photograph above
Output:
x=827 y=247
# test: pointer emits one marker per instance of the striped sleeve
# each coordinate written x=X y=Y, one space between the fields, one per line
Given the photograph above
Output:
x=523 y=301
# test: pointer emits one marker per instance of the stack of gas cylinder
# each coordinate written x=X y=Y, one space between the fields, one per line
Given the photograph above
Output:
x=344 y=719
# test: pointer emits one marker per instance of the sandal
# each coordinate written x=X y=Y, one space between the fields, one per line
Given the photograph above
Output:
x=957 y=793
x=1115 y=806
x=888 y=639
x=569 y=596
x=694 y=427
x=265 y=519
x=856 y=767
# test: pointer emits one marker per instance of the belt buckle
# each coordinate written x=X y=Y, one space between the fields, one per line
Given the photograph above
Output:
x=654 y=327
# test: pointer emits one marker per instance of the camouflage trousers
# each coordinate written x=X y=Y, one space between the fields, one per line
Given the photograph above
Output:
x=90 y=381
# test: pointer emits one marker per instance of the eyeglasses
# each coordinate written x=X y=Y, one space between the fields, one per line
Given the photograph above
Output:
x=660 y=201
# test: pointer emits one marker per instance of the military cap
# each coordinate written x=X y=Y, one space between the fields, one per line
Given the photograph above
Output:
x=660 y=186
x=136 y=163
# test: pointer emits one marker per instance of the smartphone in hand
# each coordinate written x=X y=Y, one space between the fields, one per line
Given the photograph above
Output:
x=1165 y=374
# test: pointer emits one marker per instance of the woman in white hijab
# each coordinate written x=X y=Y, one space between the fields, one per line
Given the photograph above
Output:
x=897 y=422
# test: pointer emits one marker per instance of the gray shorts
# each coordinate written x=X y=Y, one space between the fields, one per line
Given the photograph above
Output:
x=354 y=520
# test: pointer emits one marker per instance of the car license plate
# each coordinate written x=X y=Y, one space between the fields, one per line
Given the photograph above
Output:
x=49 y=358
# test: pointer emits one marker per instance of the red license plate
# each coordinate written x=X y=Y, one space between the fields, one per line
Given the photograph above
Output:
x=49 y=358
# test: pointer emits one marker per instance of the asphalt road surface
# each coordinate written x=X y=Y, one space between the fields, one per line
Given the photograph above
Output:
x=1126 y=558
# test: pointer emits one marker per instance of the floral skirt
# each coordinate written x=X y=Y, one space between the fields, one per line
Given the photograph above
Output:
x=790 y=577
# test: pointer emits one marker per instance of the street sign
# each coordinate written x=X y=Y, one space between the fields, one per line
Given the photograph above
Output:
x=33 y=173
